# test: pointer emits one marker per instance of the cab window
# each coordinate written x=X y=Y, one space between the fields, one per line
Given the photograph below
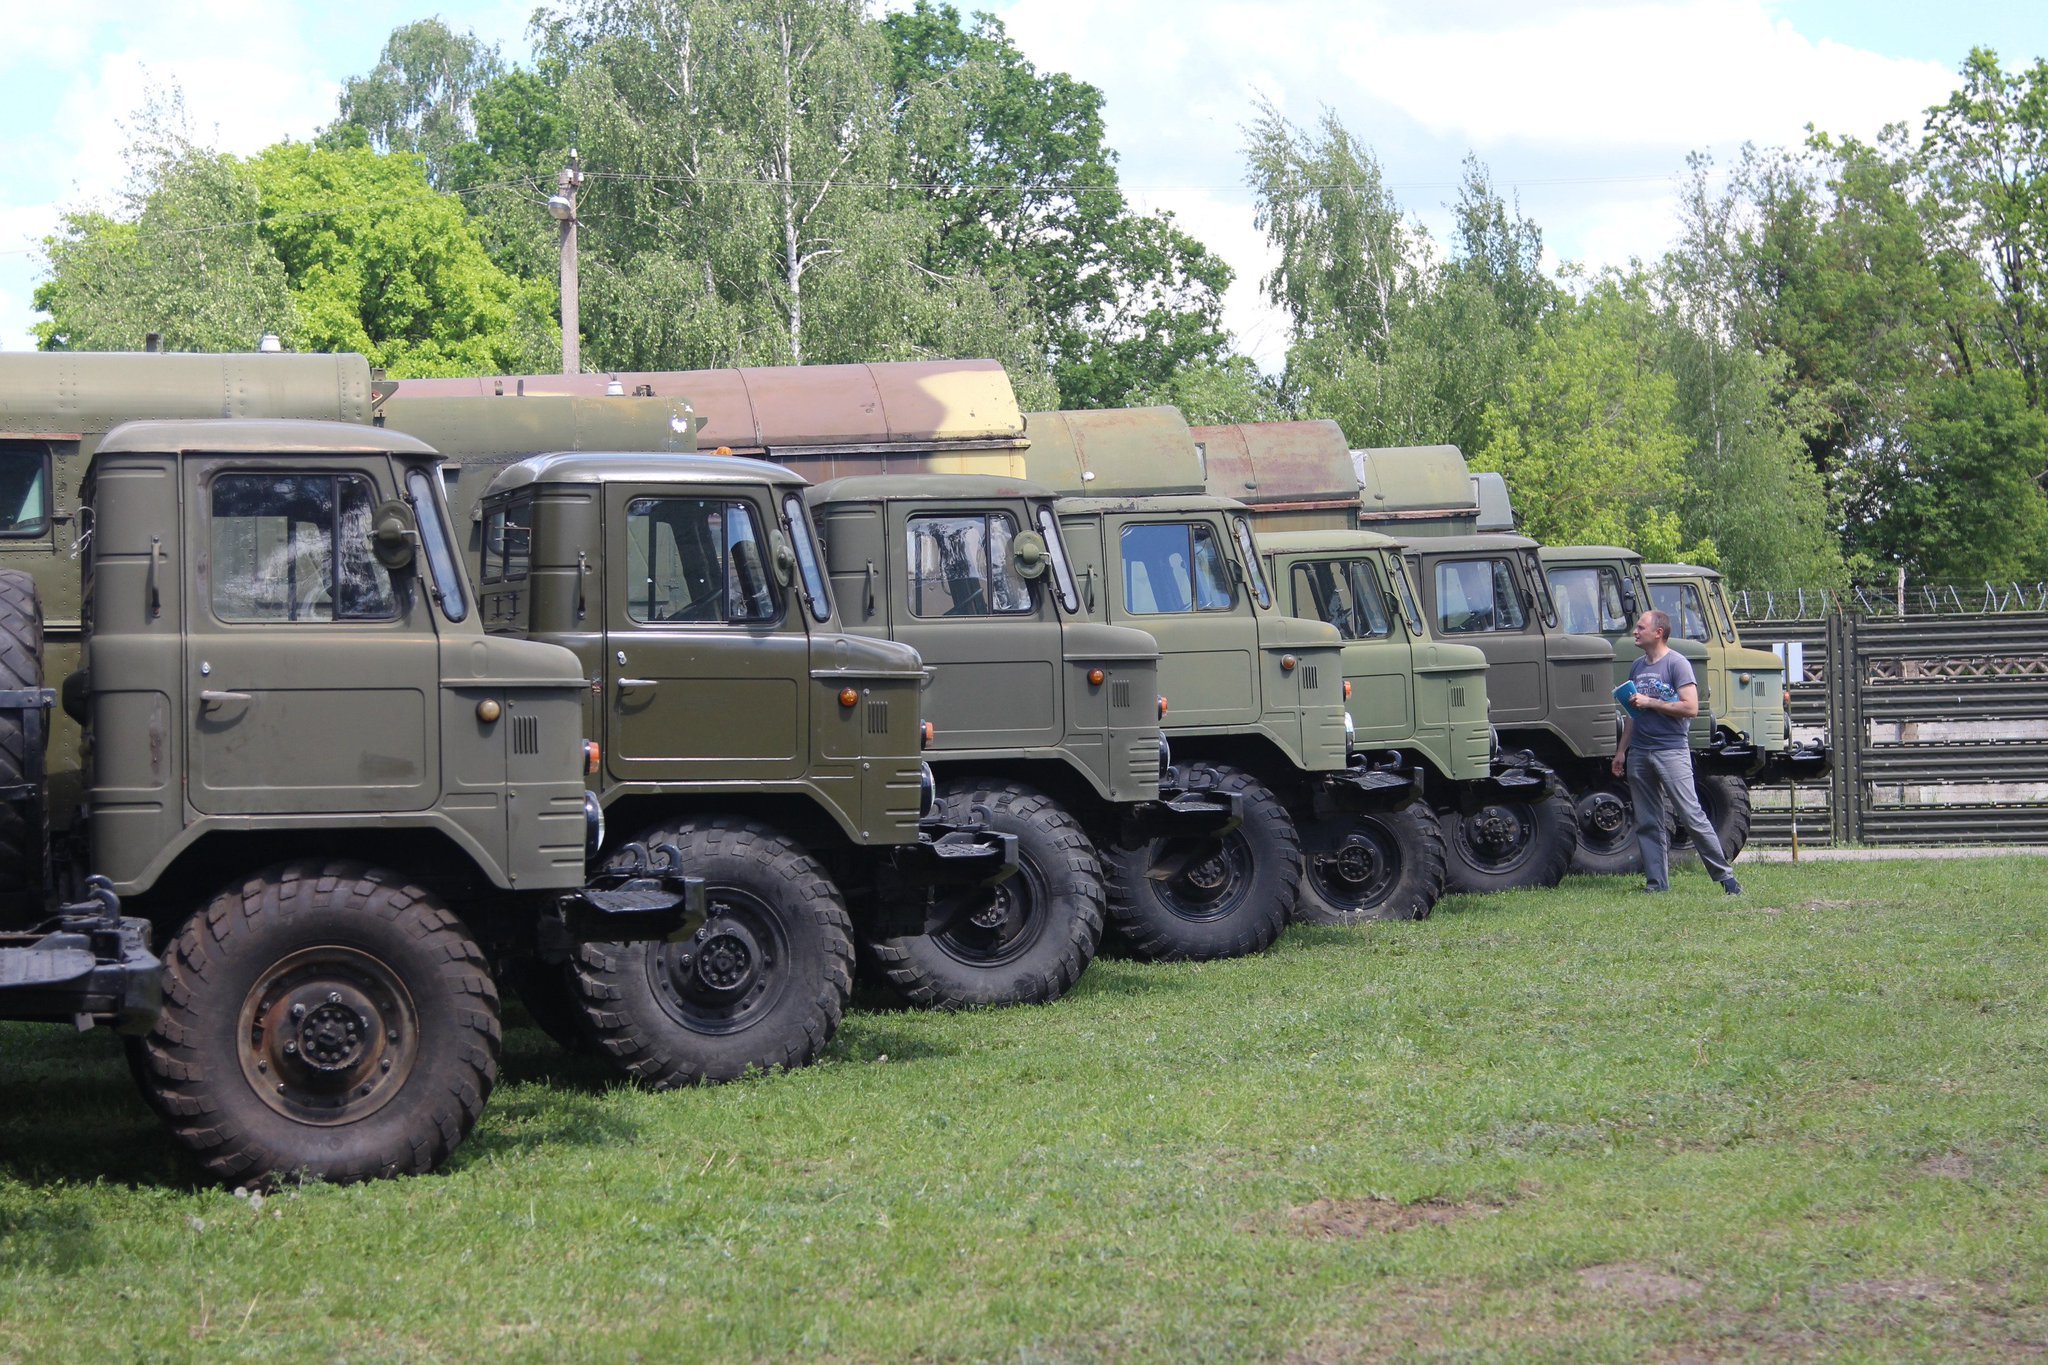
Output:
x=1681 y=602
x=24 y=489
x=1474 y=595
x=508 y=541
x=1345 y=593
x=962 y=566
x=1589 y=601
x=1172 y=567
x=296 y=547
x=697 y=560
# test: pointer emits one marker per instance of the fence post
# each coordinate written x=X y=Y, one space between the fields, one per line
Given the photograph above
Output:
x=1844 y=722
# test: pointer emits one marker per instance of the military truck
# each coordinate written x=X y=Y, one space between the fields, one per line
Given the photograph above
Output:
x=1409 y=691
x=1752 y=728
x=309 y=772
x=1256 y=701
x=1048 y=725
x=1600 y=590
x=779 y=754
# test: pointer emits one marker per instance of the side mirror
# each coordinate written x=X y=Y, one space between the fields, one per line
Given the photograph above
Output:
x=1027 y=553
x=392 y=534
x=1629 y=602
x=782 y=558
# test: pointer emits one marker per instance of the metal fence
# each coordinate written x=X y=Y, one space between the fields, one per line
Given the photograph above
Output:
x=1939 y=725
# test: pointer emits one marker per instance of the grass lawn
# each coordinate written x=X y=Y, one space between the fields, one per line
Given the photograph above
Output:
x=1578 y=1124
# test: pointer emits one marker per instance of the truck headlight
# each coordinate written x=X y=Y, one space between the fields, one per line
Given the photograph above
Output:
x=927 y=791
x=1165 y=760
x=593 y=825
x=1350 y=733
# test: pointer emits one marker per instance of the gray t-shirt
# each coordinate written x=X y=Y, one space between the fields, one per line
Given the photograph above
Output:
x=1660 y=681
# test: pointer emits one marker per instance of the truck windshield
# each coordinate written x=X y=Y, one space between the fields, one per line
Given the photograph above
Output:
x=810 y=573
x=1545 y=606
x=1717 y=591
x=443 y=567
x=1062 y=571
x=1404 y=592
x=1248 y=551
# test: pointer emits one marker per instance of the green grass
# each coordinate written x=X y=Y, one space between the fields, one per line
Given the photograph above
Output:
x=1581 y=1124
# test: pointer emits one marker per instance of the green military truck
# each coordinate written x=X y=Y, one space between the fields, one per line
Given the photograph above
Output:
x=1752 y=727
x=1048 y=724
x=281 y=667
x=740 y=725
x=1600 y=590
x=1256 y=700
x=1409 y=692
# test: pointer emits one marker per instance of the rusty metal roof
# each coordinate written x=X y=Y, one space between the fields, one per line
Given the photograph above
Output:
x=899 y=403
x=1302 y=464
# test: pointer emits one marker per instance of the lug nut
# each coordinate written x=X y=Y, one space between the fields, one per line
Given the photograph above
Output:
x=291 y=1049
x=298 y=1012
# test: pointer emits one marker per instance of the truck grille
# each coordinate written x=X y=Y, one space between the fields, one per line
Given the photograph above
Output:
x=526 y=734
x=878 y=718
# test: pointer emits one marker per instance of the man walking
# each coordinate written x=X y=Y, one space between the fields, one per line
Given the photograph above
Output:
x=1654 y=756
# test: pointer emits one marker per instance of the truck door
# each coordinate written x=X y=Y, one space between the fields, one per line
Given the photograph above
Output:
x=1171 y=576
x=988 y=633
x=312 y=680
x=1378 y=664
x=1477 y=600
x=705 y=675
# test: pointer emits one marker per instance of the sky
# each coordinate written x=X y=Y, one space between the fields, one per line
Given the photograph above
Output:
x=1582 y=110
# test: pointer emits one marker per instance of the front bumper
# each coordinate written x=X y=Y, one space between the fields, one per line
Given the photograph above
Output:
x=647 y=898
x=1366 y=786
x=88 y=965
x=1181 y=813
x=948 y=855
x=1514 y=775
x=1807 y=762
x=1731 y=753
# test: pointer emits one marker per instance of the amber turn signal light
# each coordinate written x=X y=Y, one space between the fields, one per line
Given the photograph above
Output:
x=848 y=697
x=1162 y=708
x=928 y=732
x=488 y=710
x=1347 y=689
x=593 y=757
x=1095 y=677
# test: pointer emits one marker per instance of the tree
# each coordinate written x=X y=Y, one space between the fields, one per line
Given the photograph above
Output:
x=420 y=97
x=179 y=255
x=1014 y=165
x=1217 y=393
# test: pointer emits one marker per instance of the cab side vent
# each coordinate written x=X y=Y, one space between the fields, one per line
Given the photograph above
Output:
x=1585 y=682
x=1457 y=697
x=526 y=734
x=878 y=718
x=1120 y=693
x=1308 y=677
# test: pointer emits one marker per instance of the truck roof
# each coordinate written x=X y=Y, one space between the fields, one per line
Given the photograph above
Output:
x=260 y=436
x=930 y=486
x=598 y=466
x=1414 y=481
x=1299 y=464
x=1679 y=570
x=1185 y=502
x=894 y=404
x=1296 y=542
x=1492 y=540
x=1115 y=452
x=1564 y=552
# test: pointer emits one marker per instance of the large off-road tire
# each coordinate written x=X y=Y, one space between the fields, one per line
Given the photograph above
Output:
x=328 y=1019
x=1510 y=844
x=1607 y=829
x=1233 y=898
x=548 y=991
x=760 y=987
x=1725 y=799
x=24 y=831
x=1023 y=941
x=1387 y=865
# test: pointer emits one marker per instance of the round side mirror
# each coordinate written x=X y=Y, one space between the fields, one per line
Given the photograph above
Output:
x=1027 y=553
x=782 y=557
x=392 y=538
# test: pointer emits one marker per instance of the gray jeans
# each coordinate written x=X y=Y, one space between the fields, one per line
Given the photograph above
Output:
x=1653 y=775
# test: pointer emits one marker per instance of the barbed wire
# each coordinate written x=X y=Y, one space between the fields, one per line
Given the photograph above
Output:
x=1980 y=598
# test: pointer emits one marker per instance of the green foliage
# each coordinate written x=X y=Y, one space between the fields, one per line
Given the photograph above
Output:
x=420 y=97
x=1217 y=393
x=1966 y=505
x=381 y=263
x=1023 y=190
x=180 y=255
x=1586 y=436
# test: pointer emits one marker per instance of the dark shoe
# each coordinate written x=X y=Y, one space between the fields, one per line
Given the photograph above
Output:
x=1655 y=890
x=1732 y=887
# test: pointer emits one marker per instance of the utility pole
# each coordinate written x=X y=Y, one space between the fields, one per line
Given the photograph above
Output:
x=562 y=205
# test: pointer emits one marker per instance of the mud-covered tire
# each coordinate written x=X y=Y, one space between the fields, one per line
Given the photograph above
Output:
x=1607 y=830
x=1025 y=940
x=24 y=831
x=1234 y=901
x=1510 y=844
x=322 y=1018
x=761 y=988
x=1386 y=865
x=548 y=991
x=1725 y=800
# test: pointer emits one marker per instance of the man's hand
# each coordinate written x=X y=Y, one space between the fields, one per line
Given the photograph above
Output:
x=1641 y=701
x=1620 y=764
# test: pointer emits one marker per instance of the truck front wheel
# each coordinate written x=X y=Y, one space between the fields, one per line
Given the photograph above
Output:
x=1386 y=865
x=1196 y=899
x=323 y=1018
x=1025 y=940
x=1724 y=799
x=1607 y=830
x=1508 y=844
x=760 y=986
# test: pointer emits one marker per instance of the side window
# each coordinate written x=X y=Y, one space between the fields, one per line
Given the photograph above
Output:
x=508 y=540
x=697 y=559
x=1477 y=595
x=1589 y=601
x=296 y=547
x=1173 y=567
x=24 y=489
x=961 y=566
x=1344 y=593
x=1681 y=602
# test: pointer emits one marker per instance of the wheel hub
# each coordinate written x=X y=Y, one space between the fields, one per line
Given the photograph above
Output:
x=331 y=1036
x=996 y=914
x=1604 y=814
x=1209 y=874
x=1494 y=830
x=1355 y=863
x=328 y=1035
x=724 y=960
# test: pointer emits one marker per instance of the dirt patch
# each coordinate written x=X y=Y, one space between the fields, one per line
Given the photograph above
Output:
x=1951 y=1166
x=1834 y=905
x=1640 y=1283
x=1884 y=1291
x=1371 y=1217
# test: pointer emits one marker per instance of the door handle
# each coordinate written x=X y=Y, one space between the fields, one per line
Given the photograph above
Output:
x=212 y=698
x=639 y=682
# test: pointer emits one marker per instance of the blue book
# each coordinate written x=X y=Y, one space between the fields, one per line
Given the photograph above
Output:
x=1624 y=693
